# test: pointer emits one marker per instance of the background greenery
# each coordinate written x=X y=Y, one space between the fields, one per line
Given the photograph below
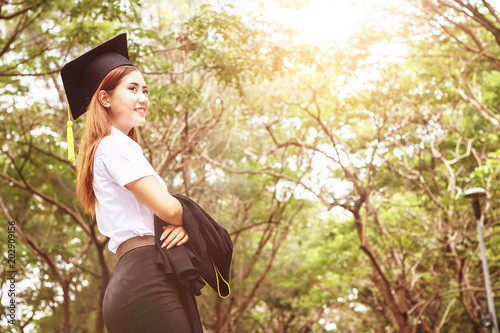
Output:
x=338 y=169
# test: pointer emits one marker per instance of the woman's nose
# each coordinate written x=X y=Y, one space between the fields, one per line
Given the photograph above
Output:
x=143 y=98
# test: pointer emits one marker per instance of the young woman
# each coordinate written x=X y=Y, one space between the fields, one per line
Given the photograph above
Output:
x=115 y=180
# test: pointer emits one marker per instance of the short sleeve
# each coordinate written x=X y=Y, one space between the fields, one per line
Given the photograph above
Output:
x=124 y=162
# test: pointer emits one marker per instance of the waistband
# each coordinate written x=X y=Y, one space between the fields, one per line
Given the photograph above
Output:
x=134 y=243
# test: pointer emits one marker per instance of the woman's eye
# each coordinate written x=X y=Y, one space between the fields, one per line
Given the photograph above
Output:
x=145 y=92
x=133 y=88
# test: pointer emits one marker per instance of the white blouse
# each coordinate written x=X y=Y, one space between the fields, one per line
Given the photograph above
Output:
x=118 y=161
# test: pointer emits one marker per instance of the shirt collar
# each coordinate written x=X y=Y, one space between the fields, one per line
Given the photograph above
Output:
x=118 y=133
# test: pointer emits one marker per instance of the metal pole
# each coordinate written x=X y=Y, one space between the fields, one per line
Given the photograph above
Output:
x=474 y=194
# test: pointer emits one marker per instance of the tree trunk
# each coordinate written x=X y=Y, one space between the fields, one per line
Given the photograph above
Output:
x=399 y=314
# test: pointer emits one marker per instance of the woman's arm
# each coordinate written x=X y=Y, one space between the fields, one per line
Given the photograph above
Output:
x=164 y=205
x=151 y=193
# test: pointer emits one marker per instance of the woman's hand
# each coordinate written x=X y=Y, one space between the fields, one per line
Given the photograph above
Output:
x=173 y=235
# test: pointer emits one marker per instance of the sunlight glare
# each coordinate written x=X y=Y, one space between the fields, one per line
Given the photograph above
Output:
x=323 y=21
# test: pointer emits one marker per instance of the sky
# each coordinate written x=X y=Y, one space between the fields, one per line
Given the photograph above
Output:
x=322 y=21
x=316 y=21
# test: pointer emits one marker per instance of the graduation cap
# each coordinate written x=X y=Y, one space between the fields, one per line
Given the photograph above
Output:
x=82 y=76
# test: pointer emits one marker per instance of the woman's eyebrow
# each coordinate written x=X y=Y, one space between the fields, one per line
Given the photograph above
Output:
x=137 y=84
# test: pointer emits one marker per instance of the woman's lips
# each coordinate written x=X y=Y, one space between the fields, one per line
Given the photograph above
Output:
x=141 y=111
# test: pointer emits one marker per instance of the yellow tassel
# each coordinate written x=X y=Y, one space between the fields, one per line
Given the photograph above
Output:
x=71 y=144
x=218 y=274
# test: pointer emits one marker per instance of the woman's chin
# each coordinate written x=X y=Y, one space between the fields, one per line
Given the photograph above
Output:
x=141 y=122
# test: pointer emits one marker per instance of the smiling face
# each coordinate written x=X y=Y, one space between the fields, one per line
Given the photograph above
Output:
x=128 y=103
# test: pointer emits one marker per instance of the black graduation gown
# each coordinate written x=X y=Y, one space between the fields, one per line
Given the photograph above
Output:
x=204 y=259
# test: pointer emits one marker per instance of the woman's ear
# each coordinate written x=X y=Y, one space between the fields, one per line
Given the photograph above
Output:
x=103 y=98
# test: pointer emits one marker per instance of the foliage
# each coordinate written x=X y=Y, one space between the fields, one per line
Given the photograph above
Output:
x=339 y=172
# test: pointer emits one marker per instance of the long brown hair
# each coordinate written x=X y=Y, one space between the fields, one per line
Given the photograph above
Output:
x=98 y=125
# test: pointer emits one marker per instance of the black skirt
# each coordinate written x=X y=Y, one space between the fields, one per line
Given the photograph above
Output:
x=140 y=297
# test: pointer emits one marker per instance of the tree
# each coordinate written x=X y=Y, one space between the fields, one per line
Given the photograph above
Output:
x=197 y=72
x=471 y=30
x=337 y=171
x=395 y=141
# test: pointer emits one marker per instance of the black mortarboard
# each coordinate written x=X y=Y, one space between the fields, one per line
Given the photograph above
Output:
x=83 y=75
